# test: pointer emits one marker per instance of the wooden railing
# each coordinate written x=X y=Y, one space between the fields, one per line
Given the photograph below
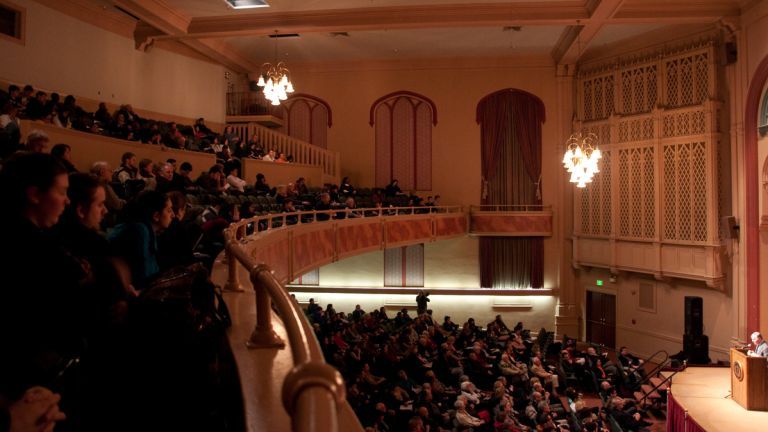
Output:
x=309 y=384
x=251 y=103
x=313 y=391
x=302 y=151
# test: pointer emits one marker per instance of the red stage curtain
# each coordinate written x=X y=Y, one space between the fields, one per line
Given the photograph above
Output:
x=692 y=426
x=675 y=415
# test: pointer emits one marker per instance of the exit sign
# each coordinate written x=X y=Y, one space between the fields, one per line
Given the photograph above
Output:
x=599 y=282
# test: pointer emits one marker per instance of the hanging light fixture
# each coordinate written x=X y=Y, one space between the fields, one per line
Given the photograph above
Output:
x=275 y=79
x=581 y=152
x=581 y=156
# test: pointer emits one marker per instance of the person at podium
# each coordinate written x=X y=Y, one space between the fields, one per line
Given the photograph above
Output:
x=761 y=346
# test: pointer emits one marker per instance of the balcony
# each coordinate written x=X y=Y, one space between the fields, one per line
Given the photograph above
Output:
x=277 y=355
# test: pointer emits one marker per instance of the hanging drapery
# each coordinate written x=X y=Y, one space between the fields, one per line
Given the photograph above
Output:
x=510 y=123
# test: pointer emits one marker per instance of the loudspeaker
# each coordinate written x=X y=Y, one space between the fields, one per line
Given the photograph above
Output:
x=696 y=349
x=731 y=53
x=694 y=316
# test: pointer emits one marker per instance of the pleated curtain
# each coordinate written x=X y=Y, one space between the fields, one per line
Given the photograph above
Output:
x=510 y=122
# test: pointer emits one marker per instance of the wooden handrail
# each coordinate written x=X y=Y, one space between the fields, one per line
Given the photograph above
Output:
x=302 y=151
x=312 y=386
x=239 y=227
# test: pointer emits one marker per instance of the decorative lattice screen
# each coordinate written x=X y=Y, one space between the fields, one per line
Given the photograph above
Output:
x=658 y=176
x=636 y=192
x=598 y=97
x=596 y=213
x=687 y=79
x=685 y=193
x=638 y=89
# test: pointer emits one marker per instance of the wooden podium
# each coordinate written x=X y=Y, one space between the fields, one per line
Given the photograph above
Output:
x=749 y=380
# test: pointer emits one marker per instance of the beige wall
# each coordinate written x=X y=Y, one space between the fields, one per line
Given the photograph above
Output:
x=64 y=54
x=455 y=87
x=647 y=332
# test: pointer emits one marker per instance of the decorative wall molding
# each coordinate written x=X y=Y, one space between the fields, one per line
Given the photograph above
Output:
x=511 y=224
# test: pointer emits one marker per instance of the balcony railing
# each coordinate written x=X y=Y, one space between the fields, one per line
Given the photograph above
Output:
x=301 y=151
x=251 y=103
x=313 y=391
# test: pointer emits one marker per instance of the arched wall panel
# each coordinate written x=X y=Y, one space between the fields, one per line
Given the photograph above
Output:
x=403 y=148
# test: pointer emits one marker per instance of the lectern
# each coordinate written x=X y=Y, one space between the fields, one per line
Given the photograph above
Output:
x=749 y=380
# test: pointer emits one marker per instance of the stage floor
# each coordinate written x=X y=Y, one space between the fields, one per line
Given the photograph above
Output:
x=705 y=394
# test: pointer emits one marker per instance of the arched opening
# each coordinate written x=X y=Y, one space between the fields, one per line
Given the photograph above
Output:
x=510 y=134
x=308 y=118
x=403 y=122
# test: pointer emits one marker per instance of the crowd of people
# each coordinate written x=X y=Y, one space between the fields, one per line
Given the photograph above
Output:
x=123 y=123
x=85 y=247
x=413 y=373
x=104 y=239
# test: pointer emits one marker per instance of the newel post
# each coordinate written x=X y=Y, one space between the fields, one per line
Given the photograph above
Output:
x=233 y=278
x=263 y=335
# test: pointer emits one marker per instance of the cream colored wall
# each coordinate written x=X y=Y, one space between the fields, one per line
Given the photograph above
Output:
x=452 y=263
x=455 y=87
x=64 y=54
x=535 y=315
x=647 y=332
x=447 y=264
x=366 y=270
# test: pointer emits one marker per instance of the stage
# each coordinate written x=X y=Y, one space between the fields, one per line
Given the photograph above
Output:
x=704 y=392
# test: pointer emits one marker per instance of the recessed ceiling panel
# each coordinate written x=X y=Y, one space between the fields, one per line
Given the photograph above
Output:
x=610 y=34
x=402 y=44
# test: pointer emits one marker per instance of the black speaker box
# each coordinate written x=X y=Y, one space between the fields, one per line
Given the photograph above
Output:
x=731 y=53
x=694 y=316
x=696 y=348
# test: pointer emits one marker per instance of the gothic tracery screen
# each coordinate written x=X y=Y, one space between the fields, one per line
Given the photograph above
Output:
x=659 y=175
x=403 y=123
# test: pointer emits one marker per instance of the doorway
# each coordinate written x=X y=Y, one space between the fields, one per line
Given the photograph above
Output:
x=601 y=318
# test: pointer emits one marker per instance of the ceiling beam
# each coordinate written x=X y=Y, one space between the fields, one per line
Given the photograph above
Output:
x=160 y=21
x=157 y=14
x=464 y=15
x=401 y=17
x=574 y=42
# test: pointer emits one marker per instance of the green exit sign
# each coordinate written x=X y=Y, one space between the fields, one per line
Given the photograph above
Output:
x=599 y=282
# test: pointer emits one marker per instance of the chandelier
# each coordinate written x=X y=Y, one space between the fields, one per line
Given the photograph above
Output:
x=278 y=84
x=581 y=156
x=275 y=79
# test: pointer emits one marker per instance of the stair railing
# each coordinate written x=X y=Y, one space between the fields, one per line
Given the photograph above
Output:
x=301 y=151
